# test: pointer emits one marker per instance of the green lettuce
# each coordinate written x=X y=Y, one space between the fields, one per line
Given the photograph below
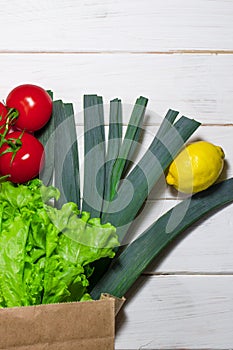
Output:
x=45 y=253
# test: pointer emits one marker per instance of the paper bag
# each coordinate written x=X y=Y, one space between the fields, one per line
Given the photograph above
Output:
x=86 y=325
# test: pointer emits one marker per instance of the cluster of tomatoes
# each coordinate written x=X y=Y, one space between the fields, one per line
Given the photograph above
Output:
x=28 y=108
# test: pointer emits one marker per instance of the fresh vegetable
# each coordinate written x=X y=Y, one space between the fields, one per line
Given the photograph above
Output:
x=94 y=155
x=46 y=253
x=34 y=105
x=3 y=115
x=57 y=247
x=22 y=157
x=66 y=157
x=114 y=144
x=196 y=167
x=28 y=108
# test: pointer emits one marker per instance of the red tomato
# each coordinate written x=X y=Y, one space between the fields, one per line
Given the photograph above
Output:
x=3 y=114
x=28 y=160
x=33 y=104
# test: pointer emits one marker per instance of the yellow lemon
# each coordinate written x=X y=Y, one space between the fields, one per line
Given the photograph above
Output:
x=196 y=167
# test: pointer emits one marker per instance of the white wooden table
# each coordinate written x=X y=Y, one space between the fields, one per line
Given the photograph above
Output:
x=179 y=54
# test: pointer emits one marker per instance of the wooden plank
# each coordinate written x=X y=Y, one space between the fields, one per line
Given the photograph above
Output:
x=161 y=25
x=177 y=312
x=199 y=86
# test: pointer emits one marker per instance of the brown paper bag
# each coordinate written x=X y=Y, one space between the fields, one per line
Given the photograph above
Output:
x=86 y=325
x=118 y=301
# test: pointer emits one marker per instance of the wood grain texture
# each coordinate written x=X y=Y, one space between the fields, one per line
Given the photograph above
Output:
x=177 y=312
x=199 y=86
x=108 y=25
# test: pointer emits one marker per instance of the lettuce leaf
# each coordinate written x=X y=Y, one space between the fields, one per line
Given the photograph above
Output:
x=13 y=239
x=82 y=241
x=45 y=252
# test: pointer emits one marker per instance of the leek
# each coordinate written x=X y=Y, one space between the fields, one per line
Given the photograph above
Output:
x=66 y=161
x=114 y=144
x=46 y=137
x=128 y=266
x=94 y=155
x=129 y=144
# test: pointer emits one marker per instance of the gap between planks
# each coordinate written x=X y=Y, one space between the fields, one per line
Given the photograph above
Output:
x=156 y=124
x=126 y=52
x=187 y=273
